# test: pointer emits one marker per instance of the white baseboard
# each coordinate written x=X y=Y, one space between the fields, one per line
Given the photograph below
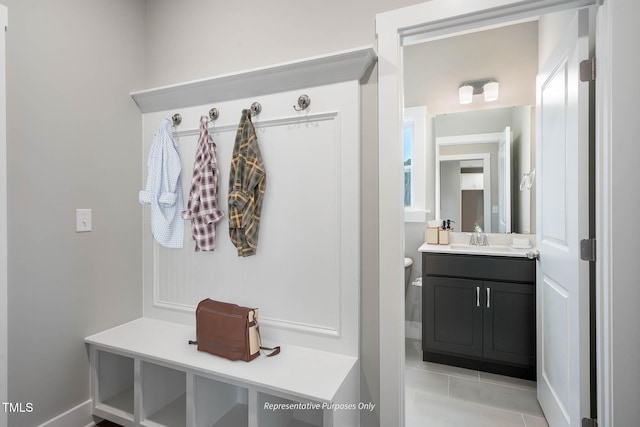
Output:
x=79 y=416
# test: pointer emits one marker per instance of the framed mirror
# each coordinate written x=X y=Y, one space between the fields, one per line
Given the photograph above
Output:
x=478 y=176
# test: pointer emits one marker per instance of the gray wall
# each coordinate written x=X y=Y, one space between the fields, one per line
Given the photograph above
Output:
x=73 y=136
x=625 y=205
x=200 y=38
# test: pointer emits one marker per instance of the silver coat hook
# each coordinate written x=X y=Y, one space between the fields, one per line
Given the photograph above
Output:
x=176 y=119
x=214 y=113
x=256 y=108
x=303 y=103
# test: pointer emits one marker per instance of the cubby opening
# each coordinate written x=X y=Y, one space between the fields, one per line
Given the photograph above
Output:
x=164 y=401
x=276 y=411
x=115 y=378
x=219 y=404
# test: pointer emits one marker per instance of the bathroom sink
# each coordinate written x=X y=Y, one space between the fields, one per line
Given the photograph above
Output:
x=471 y=248
x=499 y=246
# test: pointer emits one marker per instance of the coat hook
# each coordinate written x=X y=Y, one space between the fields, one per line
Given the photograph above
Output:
x=176 y=119
x=256 y=108
x=303 y=103
x=214 y=113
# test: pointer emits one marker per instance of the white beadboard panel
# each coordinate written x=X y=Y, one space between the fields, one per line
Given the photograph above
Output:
x=297 y=191
x=305 y=275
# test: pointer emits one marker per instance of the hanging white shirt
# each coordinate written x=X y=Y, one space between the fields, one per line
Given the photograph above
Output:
x=164 y=189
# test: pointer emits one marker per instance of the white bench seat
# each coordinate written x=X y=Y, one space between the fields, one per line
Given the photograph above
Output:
x=297 y=374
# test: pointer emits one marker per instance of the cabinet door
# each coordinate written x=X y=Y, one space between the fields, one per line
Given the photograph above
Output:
x=452 y=316
x=510 y=322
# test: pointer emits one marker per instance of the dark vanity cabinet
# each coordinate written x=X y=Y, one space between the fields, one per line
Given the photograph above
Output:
x=479 y=312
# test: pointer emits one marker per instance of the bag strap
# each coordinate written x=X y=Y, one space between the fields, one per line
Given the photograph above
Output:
x=276 y=350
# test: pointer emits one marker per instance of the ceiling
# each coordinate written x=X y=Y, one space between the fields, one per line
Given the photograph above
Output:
x=434 y=70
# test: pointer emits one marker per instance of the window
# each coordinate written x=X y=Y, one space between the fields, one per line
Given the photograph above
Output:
x=415 y=131
x=408 y=154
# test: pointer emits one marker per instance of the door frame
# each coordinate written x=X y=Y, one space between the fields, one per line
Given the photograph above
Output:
x=438 y=18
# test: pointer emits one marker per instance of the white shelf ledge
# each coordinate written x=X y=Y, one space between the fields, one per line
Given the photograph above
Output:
x=315 y=71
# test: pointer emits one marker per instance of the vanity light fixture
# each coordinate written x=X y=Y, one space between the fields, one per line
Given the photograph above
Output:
x=488 y=87
x=465 y=93
x=491 y=91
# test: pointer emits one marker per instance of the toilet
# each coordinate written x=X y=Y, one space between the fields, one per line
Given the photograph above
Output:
x=408 y=262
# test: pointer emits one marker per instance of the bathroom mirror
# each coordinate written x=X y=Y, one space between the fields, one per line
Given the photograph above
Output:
x=478 y=175
x=433 y=86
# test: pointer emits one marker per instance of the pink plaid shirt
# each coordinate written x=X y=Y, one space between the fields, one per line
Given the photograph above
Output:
x=202 y=208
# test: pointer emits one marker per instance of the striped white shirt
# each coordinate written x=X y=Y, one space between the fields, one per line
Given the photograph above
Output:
x=163 y=191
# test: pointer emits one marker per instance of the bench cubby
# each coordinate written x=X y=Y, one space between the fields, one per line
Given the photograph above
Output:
x=163 y=396
x=115 y=389
x=219 y=404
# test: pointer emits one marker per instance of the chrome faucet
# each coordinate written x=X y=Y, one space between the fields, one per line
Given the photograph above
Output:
x=478 y=238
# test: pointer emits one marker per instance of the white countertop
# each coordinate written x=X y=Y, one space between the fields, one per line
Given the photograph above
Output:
x=499 y=245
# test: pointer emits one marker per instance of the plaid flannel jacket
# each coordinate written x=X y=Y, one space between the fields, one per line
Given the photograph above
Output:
x=202 y=208
x=247 y=183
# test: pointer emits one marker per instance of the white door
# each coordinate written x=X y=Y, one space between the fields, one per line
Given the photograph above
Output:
x=504 y=180
x=562 y=206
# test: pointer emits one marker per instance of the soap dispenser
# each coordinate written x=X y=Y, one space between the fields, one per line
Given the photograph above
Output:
x=443 y=234
x=432 y=232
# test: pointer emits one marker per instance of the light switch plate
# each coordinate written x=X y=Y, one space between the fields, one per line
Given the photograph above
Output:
x=494 y=209
x=83 y=220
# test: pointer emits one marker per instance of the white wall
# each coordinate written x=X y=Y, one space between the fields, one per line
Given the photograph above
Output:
x=73 y=141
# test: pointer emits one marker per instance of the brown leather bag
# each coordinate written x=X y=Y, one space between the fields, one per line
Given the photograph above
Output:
x=228 y=330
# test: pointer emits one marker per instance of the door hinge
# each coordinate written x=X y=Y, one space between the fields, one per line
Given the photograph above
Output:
x=588 y=70
x=588 y=249
x=589 y=422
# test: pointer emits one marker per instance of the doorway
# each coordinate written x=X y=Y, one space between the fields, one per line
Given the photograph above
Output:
x=428 y=20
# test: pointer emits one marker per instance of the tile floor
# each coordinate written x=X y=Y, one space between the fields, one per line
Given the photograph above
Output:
x=448 y=396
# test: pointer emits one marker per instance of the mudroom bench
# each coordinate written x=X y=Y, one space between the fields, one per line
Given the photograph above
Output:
x=144 y=373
